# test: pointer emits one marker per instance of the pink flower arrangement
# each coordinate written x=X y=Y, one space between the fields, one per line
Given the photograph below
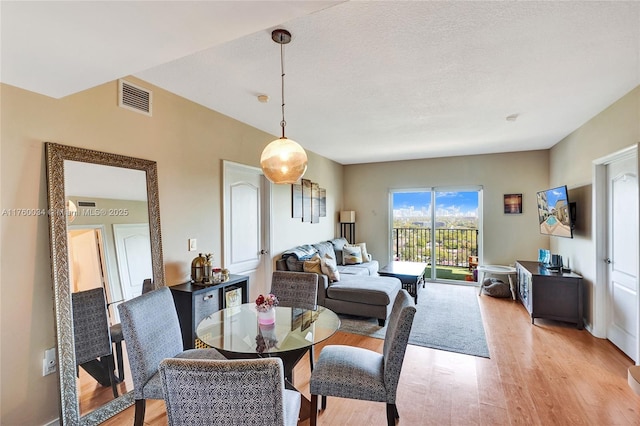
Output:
x=264 y=303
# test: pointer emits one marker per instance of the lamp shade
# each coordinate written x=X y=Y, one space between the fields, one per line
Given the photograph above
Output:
x=283 y=161
x=347 y=216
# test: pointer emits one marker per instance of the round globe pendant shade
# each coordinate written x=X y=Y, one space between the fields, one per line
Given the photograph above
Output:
x=283 y=161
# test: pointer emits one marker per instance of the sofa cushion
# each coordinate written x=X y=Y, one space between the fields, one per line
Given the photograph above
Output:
x=295 y=265
x=368 y=268
x=353 y=270
x=351 y=255
x=324 y=248
x=368 y=290
x=338 y=244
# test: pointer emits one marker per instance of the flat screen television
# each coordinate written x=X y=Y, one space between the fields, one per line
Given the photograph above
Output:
x=554 y=212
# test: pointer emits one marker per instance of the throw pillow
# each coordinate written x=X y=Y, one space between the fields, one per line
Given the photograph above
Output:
x=365 y=255
x=313 y=265
x=351 y=255
x=329 y=267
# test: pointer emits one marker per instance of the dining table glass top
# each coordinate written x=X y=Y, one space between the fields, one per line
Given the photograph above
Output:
x=237 y=329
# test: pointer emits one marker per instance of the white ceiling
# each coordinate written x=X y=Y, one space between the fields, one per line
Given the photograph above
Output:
x=90 y=180
x=365 y=81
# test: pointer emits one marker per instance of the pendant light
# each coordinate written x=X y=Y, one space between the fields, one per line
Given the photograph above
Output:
x=283 y=160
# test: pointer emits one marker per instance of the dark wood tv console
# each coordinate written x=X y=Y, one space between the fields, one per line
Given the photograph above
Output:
x=550 y=294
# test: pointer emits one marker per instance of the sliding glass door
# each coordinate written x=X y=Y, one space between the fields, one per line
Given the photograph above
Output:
x=440 y=227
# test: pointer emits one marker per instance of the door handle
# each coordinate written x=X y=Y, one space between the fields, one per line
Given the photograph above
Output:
x=607 y=261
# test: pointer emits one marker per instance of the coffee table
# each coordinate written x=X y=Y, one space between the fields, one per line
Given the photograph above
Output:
x=410 y=274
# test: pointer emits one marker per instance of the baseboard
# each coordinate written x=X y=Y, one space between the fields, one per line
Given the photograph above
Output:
x=54 y=422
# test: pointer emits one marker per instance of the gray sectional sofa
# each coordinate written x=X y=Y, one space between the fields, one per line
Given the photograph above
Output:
x=358 y=291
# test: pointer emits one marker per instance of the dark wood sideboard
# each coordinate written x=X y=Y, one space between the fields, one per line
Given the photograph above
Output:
x=550 y=294
x=195 y=302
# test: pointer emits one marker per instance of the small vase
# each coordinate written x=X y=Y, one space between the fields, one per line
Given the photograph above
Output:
x=267 y=317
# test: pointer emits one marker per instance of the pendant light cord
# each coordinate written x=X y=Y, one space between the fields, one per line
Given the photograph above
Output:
x=283 y=123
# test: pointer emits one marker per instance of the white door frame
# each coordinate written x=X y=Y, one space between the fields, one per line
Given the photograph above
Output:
x=600 y=233
x=266 y=218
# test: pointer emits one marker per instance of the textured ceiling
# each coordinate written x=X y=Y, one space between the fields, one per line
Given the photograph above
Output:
x=370 y=81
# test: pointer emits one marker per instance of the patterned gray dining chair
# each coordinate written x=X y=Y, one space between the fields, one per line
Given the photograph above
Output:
x=296 y=290
x=358 y=373
x=152 y=333
x=91 y=334
x=116 y=332
x=227 y=393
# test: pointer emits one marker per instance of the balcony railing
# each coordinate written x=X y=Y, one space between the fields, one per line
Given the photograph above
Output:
x=453 y=246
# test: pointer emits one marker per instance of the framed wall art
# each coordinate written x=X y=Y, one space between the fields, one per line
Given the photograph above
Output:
x=512 y=203
x=296 y=200
x=306 y=200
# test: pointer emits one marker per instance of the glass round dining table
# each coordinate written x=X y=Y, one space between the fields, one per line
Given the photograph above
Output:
x=237 y=333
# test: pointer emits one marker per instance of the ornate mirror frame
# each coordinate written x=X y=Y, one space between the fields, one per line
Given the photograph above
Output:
x=56 y=155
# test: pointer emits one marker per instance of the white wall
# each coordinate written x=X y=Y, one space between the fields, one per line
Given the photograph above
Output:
x=507 y=238
x=615 y=128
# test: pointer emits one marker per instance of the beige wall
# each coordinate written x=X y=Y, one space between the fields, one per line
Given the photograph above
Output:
x=571 y=164
x=188 y=142
x=507 y=238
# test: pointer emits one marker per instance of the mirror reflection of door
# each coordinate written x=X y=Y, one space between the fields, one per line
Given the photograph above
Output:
x=133 y=250
x=86 y=263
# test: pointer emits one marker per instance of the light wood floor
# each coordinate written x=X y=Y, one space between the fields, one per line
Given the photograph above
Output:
x=543 y=374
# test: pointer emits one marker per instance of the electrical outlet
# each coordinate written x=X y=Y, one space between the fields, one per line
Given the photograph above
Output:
x=49 y=362
x=193 y=244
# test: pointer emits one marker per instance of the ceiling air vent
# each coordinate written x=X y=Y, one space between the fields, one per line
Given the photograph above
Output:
x=134 y=97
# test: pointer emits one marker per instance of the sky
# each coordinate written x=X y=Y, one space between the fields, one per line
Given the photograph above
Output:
x=454 y=203
x=553 y=195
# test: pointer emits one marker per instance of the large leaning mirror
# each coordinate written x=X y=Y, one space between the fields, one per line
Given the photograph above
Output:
x=105 y=233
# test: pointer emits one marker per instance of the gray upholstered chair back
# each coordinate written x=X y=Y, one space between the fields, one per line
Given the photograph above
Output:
x=152 y=333
x=233 y=392
x=90 y=325
x=396 y=339
x=295 y=289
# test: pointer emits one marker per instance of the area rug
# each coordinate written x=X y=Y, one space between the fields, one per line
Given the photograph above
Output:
x=447 y=318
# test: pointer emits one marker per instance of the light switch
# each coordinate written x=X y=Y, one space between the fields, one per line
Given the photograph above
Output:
x=193 y=244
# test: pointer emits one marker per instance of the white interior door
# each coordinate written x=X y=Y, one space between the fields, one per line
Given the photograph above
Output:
x=622 y=328
x=133 y=251
x=246 y=229
x=86 y=267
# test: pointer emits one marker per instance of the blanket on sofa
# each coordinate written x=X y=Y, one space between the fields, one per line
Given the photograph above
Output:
x=305 y=251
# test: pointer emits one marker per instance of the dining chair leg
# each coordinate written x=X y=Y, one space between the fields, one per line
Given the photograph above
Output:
x=324 y=402
x=392 y=414
x=112 y=377
x=313 y=415
x=119 y=361
x=311 y=358
x=140 y=409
